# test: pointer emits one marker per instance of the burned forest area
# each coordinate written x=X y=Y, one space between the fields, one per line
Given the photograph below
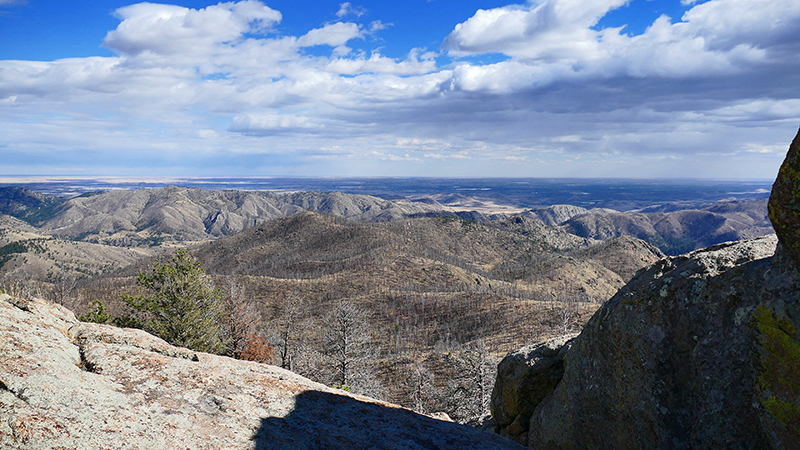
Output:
x=412 y=302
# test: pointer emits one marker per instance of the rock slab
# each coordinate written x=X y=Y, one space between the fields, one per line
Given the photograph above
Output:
x=75 y=385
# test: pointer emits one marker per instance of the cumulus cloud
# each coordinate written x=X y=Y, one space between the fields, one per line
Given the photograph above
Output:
x=716 y=37
x=335 y=34
x=168 y=29
x=565 y=97
x=347 y=9
x=548 y=30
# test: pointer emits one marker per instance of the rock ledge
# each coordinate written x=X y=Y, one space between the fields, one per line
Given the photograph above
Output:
x=69 y=384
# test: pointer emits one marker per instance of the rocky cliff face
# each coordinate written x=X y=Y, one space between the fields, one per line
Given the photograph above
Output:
x=68 y=384
x=700 y=351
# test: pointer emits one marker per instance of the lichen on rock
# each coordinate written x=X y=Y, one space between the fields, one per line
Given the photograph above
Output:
x=779 y=371
x=784 y=202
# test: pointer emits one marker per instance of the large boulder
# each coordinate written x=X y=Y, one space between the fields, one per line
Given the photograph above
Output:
x=784 y=202
x=69 y=384
x=700 y=351
x=697 y=352
x=524 y=378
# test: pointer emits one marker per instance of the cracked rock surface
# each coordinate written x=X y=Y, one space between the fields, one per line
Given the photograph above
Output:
x=69 y=384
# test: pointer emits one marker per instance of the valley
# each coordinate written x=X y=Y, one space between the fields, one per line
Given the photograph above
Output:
x=445 y=290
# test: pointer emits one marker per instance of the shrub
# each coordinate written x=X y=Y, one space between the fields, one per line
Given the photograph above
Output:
x=96 y=314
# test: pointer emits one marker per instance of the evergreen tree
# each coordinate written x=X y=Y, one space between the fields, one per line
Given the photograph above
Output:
x=184 y=309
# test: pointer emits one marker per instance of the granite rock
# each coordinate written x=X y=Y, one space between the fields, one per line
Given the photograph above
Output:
x=700 y=351
x=69 y=384
x=524 y=378
x=784 y=202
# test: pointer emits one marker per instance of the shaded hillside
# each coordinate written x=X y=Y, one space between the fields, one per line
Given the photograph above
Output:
x=677 y=232
x=434 y=252
x=29 y=206
x=624 y=255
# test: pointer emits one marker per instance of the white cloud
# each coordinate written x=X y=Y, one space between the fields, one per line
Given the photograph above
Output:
x=549 y=30
x=167 y=29
x=269 y=123
x=222 y=81
x=207 y=134
x=346 y=9
x=4 y=3
x=377 y=63
x=334 y=34
x=716 y=37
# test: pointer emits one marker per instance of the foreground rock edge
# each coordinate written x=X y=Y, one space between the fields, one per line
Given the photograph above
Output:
x=697 y=351
x=65 y=383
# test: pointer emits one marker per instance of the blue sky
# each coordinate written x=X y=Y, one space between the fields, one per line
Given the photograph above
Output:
x=544 y=88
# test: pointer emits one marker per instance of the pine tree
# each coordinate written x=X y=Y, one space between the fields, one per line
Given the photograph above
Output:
x=184 y=309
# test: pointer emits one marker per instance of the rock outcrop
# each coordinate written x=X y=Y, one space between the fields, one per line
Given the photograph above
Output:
x=784 y=202
x=524 y=378
x=69 y=384
x=700 y=351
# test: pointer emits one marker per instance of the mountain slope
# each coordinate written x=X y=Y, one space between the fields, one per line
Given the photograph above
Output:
x=28 y=254
x=677 y=232
x=29 y=206
x=183 y=214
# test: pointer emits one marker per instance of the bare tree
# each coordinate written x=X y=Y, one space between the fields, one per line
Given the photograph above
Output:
x=346 y=340
x=244 y=323
x=19 y=283
x=565 y=313
x=469 y=393
x=291 y=311
x=63 y=290
x=419 y=387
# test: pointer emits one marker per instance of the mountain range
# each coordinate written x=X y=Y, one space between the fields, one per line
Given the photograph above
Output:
x=440 y=275
x=176 y=214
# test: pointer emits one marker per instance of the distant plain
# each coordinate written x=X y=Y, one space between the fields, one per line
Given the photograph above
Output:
x=523 y=193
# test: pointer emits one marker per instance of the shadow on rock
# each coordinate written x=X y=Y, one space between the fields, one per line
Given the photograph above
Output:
x=322 y=420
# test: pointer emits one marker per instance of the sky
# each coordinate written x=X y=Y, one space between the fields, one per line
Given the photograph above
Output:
x=428 y=88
